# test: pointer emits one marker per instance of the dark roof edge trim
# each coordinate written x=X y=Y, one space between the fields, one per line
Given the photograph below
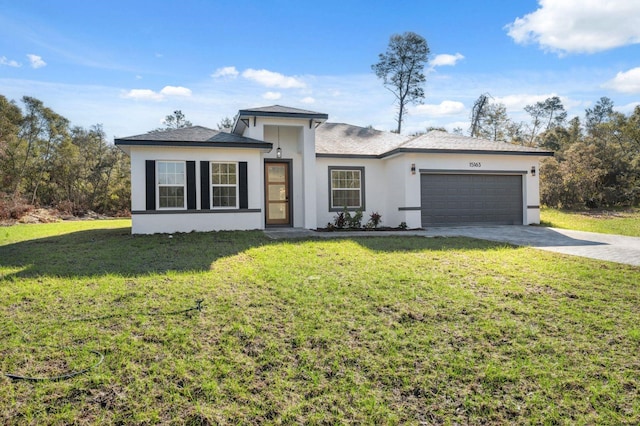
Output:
x=250 y=113
x=364 y=156
x=471 y=172
x=178 y=144
x=464 y=151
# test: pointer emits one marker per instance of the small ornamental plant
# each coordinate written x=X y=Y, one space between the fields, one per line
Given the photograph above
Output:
x=355 y=221
x=340 y=220
x=374 y=220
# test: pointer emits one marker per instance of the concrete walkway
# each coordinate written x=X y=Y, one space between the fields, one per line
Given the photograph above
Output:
x=612 y=248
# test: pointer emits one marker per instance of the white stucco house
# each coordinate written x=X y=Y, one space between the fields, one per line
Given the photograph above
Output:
x=287 y=167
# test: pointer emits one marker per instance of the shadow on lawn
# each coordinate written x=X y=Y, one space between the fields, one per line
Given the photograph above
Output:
x=116 y=251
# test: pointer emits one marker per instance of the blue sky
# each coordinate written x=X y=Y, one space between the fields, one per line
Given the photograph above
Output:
x=127 y=64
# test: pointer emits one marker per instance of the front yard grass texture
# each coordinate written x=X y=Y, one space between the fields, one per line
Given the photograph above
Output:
x=385 y=330
x=617 y=221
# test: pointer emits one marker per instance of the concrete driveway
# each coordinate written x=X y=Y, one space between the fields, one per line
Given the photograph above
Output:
x=613 y=248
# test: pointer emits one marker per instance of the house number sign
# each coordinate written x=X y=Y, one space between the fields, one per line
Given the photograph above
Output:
x=475 y=164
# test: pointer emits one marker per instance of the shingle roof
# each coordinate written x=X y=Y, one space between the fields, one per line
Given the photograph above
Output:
x=193 y=136
x=437 y=140
x=185 y=134
x=347 y=140
x=283 y=110
x=336 y=139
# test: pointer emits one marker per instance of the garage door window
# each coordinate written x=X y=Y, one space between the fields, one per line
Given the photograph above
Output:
x=346 y=188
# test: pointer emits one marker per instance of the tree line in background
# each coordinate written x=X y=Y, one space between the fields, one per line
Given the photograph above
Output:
x=597 y=158
x=45 y=161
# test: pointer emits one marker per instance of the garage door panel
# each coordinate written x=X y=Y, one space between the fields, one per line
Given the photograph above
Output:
x=470 y=199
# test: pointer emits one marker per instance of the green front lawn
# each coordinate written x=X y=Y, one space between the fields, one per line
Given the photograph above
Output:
x=362 y=330
x=620 y=222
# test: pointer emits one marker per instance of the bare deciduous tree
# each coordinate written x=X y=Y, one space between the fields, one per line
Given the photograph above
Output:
x=401 y=68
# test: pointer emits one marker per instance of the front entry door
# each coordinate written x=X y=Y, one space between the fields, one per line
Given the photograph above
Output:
x=276 y=177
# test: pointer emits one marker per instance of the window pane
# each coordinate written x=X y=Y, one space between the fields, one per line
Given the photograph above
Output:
x=348 y=198
x=345 y=179
x=276 y=173
x=223 y=174
x=346 y=188
x=171 y=196
x=171 y=173
x=223 y=181
x=277 y=211
x=224 y=196
x=277 y=192
x=179 y=176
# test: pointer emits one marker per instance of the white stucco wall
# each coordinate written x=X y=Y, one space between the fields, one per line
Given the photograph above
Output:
x=376 y=187
x=155 y=222
x=297 y=142
x=391 y=189
x=394 y=192
x=474 y=163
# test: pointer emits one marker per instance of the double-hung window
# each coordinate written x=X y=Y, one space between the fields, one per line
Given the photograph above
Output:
x=171 y=184
x=224 y=185
x=346 y=188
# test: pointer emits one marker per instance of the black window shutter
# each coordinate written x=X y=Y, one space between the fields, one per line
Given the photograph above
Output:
x=242 y=181
x=191 y=185
x=150 y=184
x=204 y=185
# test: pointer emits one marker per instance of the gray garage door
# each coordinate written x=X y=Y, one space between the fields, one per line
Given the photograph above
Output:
x=471 y=199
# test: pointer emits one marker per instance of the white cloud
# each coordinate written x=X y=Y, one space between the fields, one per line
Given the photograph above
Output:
x=273 y=79
x=579 y=26
x=150 y=95
x=225 y=72
x=308 y=100
x=9 y=62
x=175 y=91
x=143 y=95
x=443 y=108
x=446 y=60
x=36 y=61
x=519 y=101
x=628 y=108
x=625 y=82
x=272 y=96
